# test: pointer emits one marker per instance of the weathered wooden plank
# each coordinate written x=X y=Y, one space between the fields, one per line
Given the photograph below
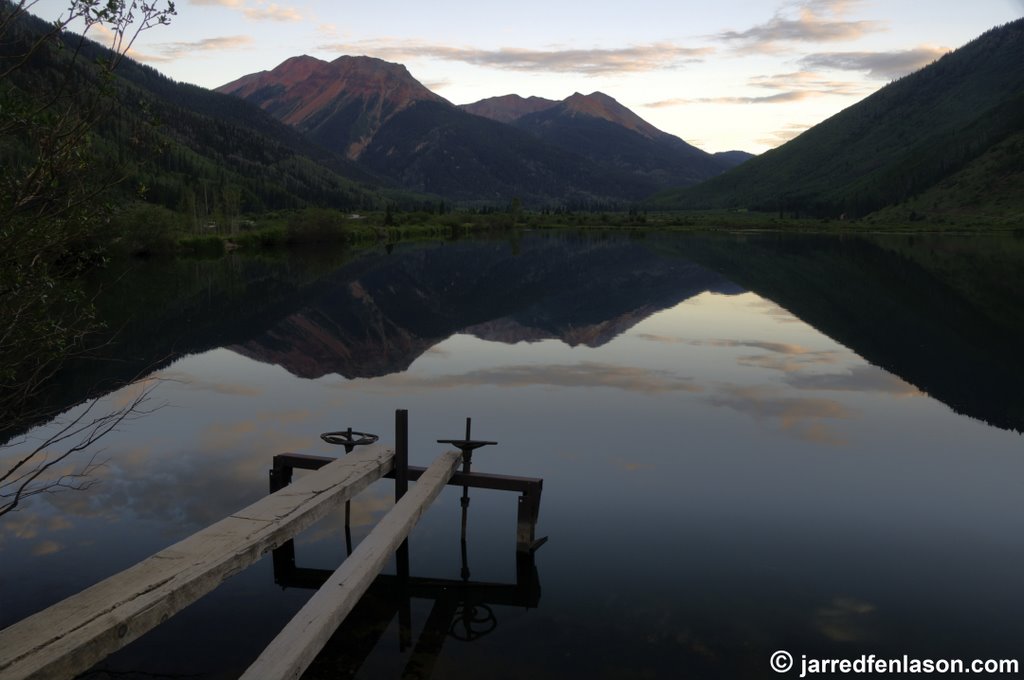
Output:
x=74 y=634
x=474 y=480
x=295 y=647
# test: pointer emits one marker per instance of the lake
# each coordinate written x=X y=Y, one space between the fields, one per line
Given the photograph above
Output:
x=748 y=443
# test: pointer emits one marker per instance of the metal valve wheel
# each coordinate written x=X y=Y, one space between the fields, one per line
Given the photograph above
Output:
x=349 y=439
x=472 y=621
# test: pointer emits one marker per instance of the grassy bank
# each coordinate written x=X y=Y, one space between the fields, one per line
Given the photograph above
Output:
x=145 y=230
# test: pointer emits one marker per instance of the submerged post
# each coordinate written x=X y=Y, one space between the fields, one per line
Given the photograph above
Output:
x=402 y=482
x=350 y=440
x=467 y=459
x=401 y=453
x=467 y=446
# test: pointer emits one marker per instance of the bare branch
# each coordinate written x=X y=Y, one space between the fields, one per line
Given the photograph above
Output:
x=36 y=471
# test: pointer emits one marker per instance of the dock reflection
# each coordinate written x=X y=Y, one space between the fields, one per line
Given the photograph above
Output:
x=462 y=609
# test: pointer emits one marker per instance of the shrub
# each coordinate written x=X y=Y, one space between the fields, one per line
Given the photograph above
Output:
x=145 y=229
x=316 y=225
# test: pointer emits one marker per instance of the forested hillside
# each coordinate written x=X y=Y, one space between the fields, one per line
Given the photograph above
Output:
x=209 y=156
x=891 y=146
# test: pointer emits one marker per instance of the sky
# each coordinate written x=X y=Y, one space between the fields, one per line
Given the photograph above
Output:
x=737 y=74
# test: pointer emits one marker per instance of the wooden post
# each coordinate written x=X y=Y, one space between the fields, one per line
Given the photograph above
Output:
x=526 y=518
x=291 y=652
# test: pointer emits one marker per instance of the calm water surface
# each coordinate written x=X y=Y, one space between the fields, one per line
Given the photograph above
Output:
x=747 y=444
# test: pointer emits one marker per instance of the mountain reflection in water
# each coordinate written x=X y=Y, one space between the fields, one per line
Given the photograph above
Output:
x=943 y=313
x=400 y=306
x=740 y=439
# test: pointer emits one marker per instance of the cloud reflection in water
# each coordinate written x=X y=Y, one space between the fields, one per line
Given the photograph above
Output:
x=586 y=374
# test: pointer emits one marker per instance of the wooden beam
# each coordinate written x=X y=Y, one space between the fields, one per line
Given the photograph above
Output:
x=291 y=652
x=474 y=480
x=74 y=634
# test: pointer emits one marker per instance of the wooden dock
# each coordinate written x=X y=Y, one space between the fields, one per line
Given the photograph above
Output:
x=288 y=655
x=73 y=635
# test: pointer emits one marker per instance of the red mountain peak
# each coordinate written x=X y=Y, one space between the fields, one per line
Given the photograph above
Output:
x=305 y=91
x=600 y=105
x=509 y=107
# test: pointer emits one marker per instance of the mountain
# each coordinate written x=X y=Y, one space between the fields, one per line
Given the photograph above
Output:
x=891 y=146
x=601 y=129
x=508 y=108
x=585 y=150
x=377 y=113
x=600 y=106
x=441 y=149
x=340 y=104
x=731 y=159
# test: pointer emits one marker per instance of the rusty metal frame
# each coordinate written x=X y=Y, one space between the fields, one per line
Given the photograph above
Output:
x=529 y=489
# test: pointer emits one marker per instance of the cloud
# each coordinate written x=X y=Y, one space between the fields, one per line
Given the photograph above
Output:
x=772 y=309
x=221 y=480
x=651 y=337
x=791 y=87
x=260 y=12
x=816 y=21
x=845 y=619
x=863 y=378
x=777 y=347
x=189 y=381
x=783 y=135
x=21 y=525
x=878 y=65
x=802 y=417
x=837 y=7
x=59 y=523
x=176 y=50
x=584 y=374
x=367 y=509
x=249 y=434
x=222 y=436
x=787 y=348
x=632 y=59
x=272 y=13
x=808 y=81
x=630 y=465
x=283 y=418
x=791 y=363
x=434 y=86
x=785 y=356
x=777 y=98
x=46 y=548
x=793 y=359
